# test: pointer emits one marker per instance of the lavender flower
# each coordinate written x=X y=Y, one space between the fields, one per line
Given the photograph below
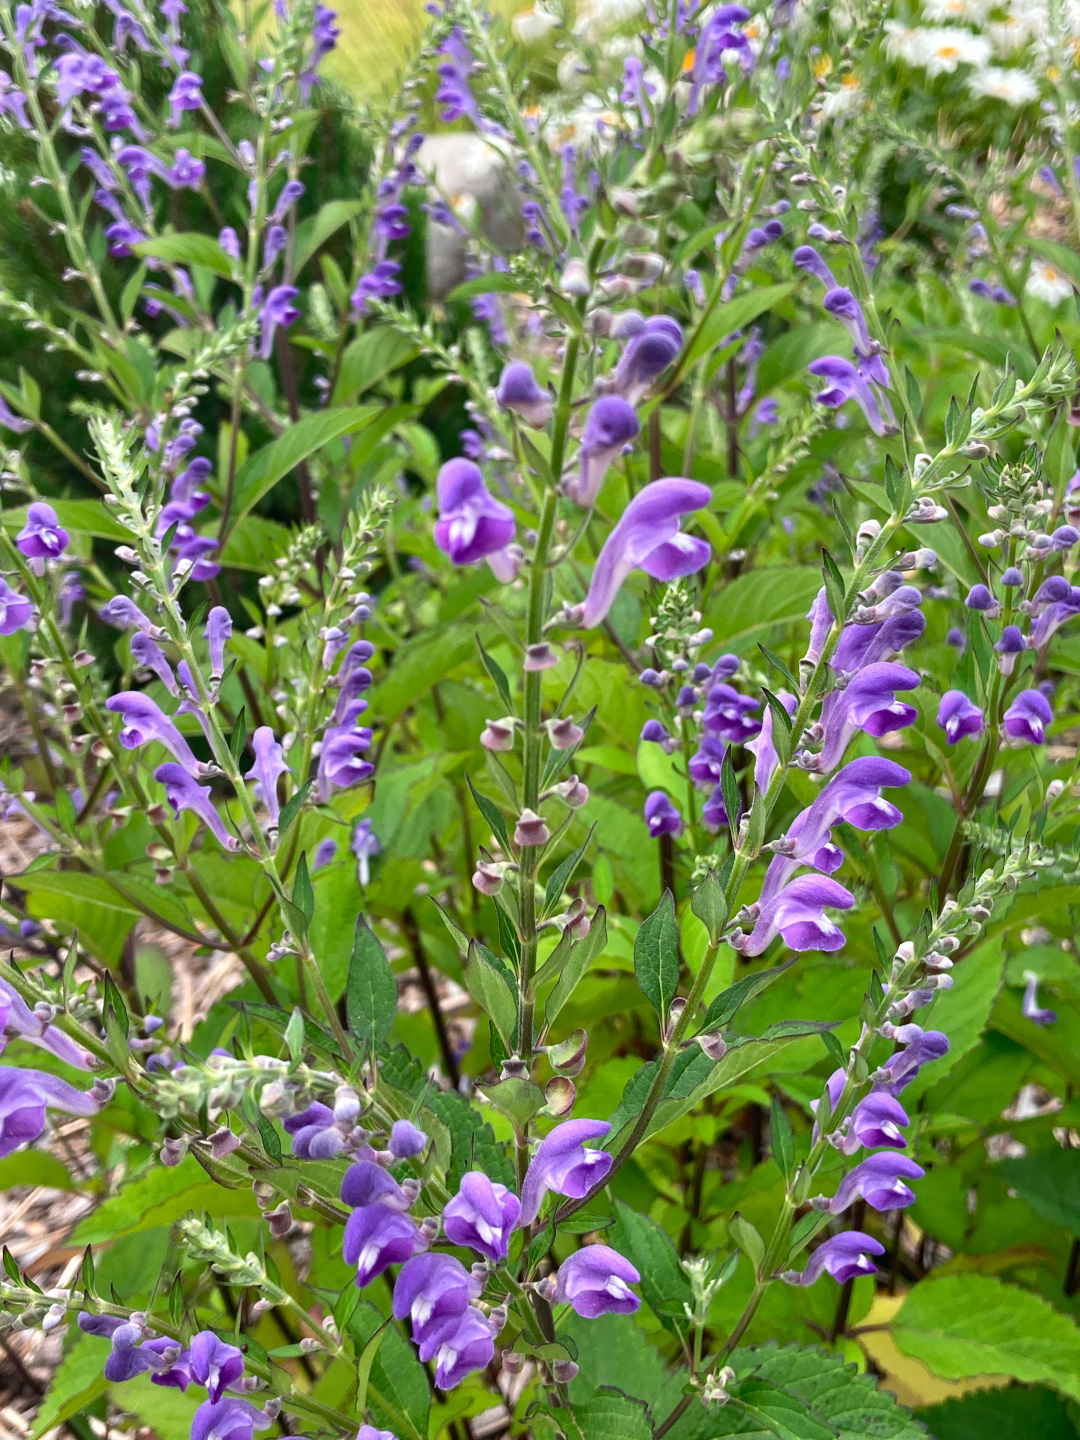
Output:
x=16 y=611
x=797 y=913
x=186 y=94
x=183 y=793
x=923 y=1047
x=1027 y=717
x=458 y=1351
x=433 y=1293
x=727 y=714
x=807 y=258
x=518 y=391
x=846 y=383
x=661 y=816
x=143 y=721
x=269 y=766
x=216 y=634
x=230 y=1419
x=610 y=426
x=481 y=1215
x=42 y=537
x=365 y=846
x=844 y=1257
x=315 y=1135
x=562 y=1164
x=875 y=1122
x=958 y=717
x=868 y=703
x=375 y=1237
x=648 y=354
x=406 y=1140
x=24 y=1096
x=596 y=1280
x=1030 y=1008
x=879 y=1180
x=648 y=537
x=277 y=309
x=215 y=1364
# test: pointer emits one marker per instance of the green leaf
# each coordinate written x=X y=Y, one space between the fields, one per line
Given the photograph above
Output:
x=1021 y=1412
x=745 y=611
x=34 y=1167
x=261 y=471
x=781 y=1139
x=492 y=987
x=726 y=1005
x=729 y=788
x=1049 y=1180
x=492 y=814
x=834 y=586
x=498 y=675
x=294 y=1035
x=369 y=359
x=238 y=738
x=303 y=896
x=517 y=1098
x=708 y=904
x=612 y=1416
x=371 y=990
x=292 y=807
x=562 y=875
x=582 y=955
x=964 y=1325
x=784 y=670
x=316 y=230
x=495 y=283
x=656 y=956
x=733 y=316
x=158 y=1197
x=962 y=1013
x=76 y=1384
x=652 y=1251
x=187 y=249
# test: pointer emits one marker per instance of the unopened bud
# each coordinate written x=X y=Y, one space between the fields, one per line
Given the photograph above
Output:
x=280 y=1220
x=498 y=734
x=429 y=1229
x=540 y=657
x=531 y=829
x=223 y=1142
x=1054 y=789
x=488 y=877
x=497 y=1318
x=563 y=734
x=574 y=279
x=563 y=1371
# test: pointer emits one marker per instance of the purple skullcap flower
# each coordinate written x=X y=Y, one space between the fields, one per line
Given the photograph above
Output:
x=956 y=638
x=653 y=731
x=291 y=192
x=727 y=714
x=183 y=793
x=217 y=631
x=714 y=814
x=13 y=101
x=610 y=425
x=761 y=746
x=365 y=1183
x=365 y=846
x=462 y=1348
x=1030 y=1008
x=562 y=1164
x=518 y=391
x=472 y=524
x=980 y=598
x=862 y=645
x=843 y=1257
x=229 y=1419
x=1064 y=537
x=277 y=238
x=127 y=1356
x=821 y=622
x=958 y=716
x=380 y=283
x=215 y=1364
x=706 y=761
x=846 y=383
x=143 y=721
x=341 y=760
x=24 y=1096
x=103 y=1326
x=661 y=816
x=647 y=355
x=16 y=611
x=369 y=1432
x=842 y=305
x=229 y=242
x=797 y=913
x=596 y=1280
x=876 y=1121
x=868 y=703
x=1054 y=589
x=186 y=173
x=375 y=1237
x=879 y=1180
x=17 y=1018
x=481 y=1215
x=454 y=94
x=186 y=94
x=149 y=654
x=42 y=537
x=10 y=421
x=981 y=288
x=178 y=1376
x=1012 y=577
x=406 y=1140
x=927 y=1045
x=716 y=37
x=807 y=258
x=1027 y=717
x=1062 y=607
x=314 y=1135
x=433 y=1291
x=269 y=765
x=647 y=536
x=278 y=309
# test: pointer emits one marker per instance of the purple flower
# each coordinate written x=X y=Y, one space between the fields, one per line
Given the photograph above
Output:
x=229 y=1419
x=365 y=846
x=215 y=1364
x=16 y=611
x=278 y=309
x=481 y=1215
x=797 y=913
x=341 y=760
x=714 y=814
x=1030 y=1008
x=129 y=1356
x=648 y=537
x=230 y=242
x=406 y=1140
x=844 y=1257
x=291 y=192
x=143 y=721
x=315 y=1135
x=186 y=94
x=716 y=37
x=375 y=1237
x=183 y=793
x=8 y=419
x=217 y=631
x=1065 y=605
x=661 y=816
x=868 y=703
x=879 y=1180
x=562 y=1164
x=647 y=355
x=325 y=854
x=454 y=94
x=1027 y=717
x=24 y=1096
x=596 y=1280
x=727 y=714
x=923 y=1047
x=13 y=101
x=846 y=383
x=979 y=598
x=380 y=283
x=42 y=537
x=958 y=717
x=762 y=748
x=611 y=424
x=843 y=306
x=433 y=1291
x=460 y=1349
x=876 y=1121
x=706 y=761
x=268 y=767
x=807 y=258
x=366 y=1183
x=125 y=615
x=16 y=1018
x=151 y=657
x=472 y=524
x=518 y=391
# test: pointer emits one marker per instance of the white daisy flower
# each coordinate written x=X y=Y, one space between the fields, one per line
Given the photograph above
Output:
x=1009 y=35
x=946 y=48
x=531 y=26
x=843 y=100
x=1015 y=87
x=904 y=43
x=1046 y=282
x=943 y=12
x=597 y=18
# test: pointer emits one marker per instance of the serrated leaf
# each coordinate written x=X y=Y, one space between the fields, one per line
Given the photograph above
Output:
x=371 y=990
x=656 y=956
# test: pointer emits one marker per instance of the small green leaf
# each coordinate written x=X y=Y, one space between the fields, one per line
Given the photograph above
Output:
x=782 y=1140
x=562 y=874
x=492 y=986
x=303 y=896
x=780 y=666
x=238 y=738
x=498 y=675
x=294 y=1035
x=656 y=956
x=582 y=955
x=292 y=807
x=371 y=990
x=726 y=1005
x=729 y=788
x=748 y=1239
x=517 y=1098
x=492 y=814
x=708 y=904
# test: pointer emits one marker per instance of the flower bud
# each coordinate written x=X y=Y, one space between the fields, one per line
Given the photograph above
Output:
x=498 y=734
x=497 y=1318
x=346 y=1105
x=531 y=829
x=488 y=877
x=563 y=734
x=429 y=1229
x=574 y=279
x=563 y=1371
x=572 y=792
